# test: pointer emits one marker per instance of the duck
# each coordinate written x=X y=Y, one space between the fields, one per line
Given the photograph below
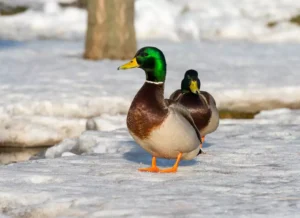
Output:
x=162 y=127
x=200 y=104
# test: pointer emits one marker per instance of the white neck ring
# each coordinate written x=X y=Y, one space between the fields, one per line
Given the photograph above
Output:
x=156 y=83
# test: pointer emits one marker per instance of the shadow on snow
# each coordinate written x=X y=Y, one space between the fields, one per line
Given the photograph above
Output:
x=139 y=155
x=9 y=43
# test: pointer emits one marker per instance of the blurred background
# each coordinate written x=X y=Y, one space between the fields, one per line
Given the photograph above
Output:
x=176 y=20
x=59 y=58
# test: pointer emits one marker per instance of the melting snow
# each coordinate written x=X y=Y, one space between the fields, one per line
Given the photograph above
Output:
x=251 y=169
x=48 y=92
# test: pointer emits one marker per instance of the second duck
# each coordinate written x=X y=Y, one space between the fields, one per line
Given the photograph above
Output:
x=200 y=104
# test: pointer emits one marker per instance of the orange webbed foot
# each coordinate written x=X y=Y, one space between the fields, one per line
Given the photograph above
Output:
x=169 y=170
x=174 y=168
x=201 y=145
x=202 y=139
x=152 y=169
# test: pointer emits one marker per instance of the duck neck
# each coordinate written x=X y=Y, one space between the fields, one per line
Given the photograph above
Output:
x=156 y=73
x=151 y=96
x=156 y=93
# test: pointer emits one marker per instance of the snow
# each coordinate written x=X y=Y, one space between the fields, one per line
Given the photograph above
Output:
x=49 y=93
x=156 y=19
x=101 y=142
x=49 y=22
x=175 y=20
x=283 y=115
x=251 y=169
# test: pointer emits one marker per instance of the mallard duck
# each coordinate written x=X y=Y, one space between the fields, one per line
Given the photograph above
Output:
x=201 y=104
x=162 y=127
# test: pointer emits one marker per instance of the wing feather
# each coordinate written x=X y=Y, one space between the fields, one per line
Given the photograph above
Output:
x=186 y=114
x=176 y=95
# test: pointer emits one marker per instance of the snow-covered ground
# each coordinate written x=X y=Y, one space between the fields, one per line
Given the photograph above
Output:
x=169 y=19
x=114 y=142
x=49 y=94
x=48 y=91
x=251 y=169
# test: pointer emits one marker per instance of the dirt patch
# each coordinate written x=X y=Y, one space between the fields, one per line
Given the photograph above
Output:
x=295 y=19
x=15 y=154
x=8 y=10
x=272 y=24
x=227 y=114
x=77 y=4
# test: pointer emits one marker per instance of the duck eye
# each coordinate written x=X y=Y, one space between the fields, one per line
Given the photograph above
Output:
x=144 y=54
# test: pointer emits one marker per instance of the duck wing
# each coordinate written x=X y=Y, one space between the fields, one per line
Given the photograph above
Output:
x=176 y=95
x=180 y=109
x=208 y=98
x=169 y=101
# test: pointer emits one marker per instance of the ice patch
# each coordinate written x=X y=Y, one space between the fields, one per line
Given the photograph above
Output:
x=67 y=145
x=67 y=154
x=82 y=108
x=243 y=172
x=108 y=122
x=90 y=142
x=37 y=179
x=119 y=141
x=257 y=99
x=282 y=116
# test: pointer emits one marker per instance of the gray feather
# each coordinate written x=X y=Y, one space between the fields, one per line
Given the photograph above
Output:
x=186 y=114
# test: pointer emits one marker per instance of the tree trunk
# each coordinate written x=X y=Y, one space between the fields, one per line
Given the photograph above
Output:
x=110 y=32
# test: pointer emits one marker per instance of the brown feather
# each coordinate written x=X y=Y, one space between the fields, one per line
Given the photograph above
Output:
x=209 y=98
x=175 y=95
x=197 y=105
x=147 y=111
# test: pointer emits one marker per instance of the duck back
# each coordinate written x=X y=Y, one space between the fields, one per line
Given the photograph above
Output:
x=197 y=106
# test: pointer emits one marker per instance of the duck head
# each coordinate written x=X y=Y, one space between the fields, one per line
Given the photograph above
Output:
x=152 y=61
x=191 y=82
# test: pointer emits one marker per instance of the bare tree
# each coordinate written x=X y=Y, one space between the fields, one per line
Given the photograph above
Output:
x=110 y=32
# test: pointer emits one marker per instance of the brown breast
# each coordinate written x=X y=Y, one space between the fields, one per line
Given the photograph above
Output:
x=200 y=112
x=147 y=110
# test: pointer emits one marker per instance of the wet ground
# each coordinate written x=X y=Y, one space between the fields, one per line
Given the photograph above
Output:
x=16 y=154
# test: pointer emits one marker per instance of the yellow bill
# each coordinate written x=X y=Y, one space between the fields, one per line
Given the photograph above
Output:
x=131 y=64
x=194 y=87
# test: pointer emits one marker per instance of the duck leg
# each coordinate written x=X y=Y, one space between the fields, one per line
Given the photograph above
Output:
x=153 y=168
x=174 y=168
x=202 y=139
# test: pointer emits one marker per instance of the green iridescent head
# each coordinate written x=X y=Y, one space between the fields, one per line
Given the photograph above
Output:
x=152 y=61
x=191 y=82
